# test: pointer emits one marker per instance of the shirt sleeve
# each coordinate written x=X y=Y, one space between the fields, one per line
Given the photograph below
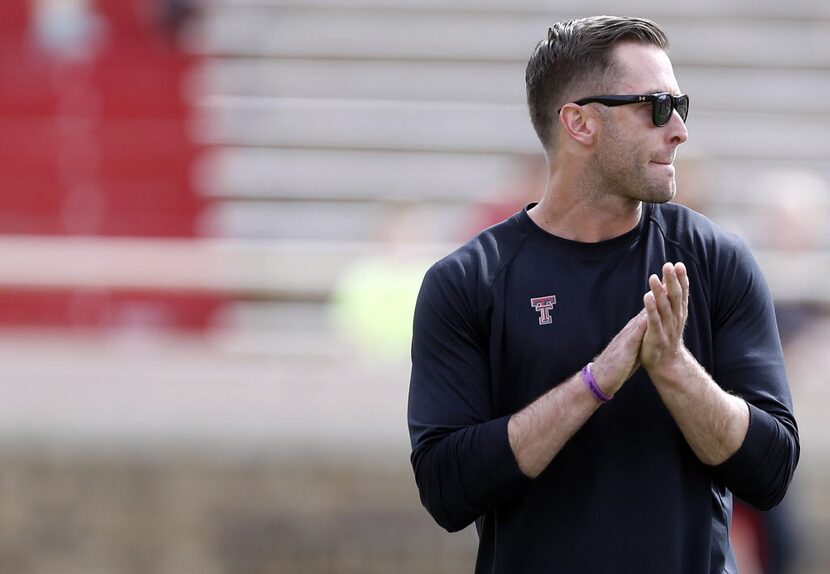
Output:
x=749 y=363
x=461 y=454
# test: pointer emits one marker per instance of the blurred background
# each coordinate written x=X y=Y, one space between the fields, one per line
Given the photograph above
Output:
x=214 y=218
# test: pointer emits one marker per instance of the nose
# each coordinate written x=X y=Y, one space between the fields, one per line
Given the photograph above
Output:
x=676 y=130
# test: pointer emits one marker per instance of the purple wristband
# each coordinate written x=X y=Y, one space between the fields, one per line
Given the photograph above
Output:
x=592 y=385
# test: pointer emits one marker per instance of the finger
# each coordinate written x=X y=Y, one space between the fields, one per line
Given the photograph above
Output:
x=639 y=322
x=653 y=322
x=654 y=283
x=683 y=277
x=673 y=288
x=667 y=268
x=636 y=319
x=661 y=299
x=635 y=328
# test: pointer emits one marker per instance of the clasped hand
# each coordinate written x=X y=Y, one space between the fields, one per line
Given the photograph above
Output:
x=654 y=337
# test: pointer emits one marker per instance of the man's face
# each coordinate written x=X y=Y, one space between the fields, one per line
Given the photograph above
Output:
x=634 y=157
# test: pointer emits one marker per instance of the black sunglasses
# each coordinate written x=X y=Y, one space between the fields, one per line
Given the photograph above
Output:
x=662 y=105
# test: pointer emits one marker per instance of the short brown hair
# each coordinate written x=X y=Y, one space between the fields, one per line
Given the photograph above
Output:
x=577 y=54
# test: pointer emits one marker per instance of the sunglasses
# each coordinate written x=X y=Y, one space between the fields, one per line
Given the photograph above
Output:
x=662 y=105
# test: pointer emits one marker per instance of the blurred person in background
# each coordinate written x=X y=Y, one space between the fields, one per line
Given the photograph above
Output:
x=69 y=30
x=373 y=300
x=526 y=185
x=594 y=377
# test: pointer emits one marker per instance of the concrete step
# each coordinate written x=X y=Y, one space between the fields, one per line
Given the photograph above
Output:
x=344 y=33
x=476 y=128
x=711 y=88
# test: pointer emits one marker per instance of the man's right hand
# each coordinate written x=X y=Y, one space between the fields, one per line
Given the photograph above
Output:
x=620 y=359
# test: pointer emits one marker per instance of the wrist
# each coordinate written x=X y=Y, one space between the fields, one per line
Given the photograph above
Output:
x=672 y=367
x=602 y=378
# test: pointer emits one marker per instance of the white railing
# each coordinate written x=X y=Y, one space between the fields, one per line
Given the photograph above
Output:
x=296 y=270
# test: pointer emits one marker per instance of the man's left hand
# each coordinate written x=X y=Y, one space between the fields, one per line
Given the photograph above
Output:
x=666 y=307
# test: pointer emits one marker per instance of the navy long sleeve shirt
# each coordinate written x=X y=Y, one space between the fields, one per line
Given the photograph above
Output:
x=517 y=311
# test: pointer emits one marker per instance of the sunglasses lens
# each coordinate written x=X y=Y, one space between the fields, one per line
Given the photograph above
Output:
x=661 y=113
x=682 y=106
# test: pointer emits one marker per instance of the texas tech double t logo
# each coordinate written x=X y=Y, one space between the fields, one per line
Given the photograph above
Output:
x=544 y=305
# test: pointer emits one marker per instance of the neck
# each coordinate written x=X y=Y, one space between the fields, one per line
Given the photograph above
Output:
x=581 y=212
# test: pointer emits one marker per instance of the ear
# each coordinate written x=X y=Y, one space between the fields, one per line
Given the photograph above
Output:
x=579 y=122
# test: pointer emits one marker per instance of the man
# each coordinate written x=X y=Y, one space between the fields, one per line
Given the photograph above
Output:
x=593 y=377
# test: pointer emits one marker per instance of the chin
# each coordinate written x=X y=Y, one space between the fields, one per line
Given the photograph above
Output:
x=660 y=193
x=666 y=197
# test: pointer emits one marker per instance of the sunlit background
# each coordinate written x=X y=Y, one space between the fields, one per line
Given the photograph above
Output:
x=214 y=218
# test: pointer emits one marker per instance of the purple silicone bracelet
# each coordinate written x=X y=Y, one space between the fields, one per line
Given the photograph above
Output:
x=592 y=385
